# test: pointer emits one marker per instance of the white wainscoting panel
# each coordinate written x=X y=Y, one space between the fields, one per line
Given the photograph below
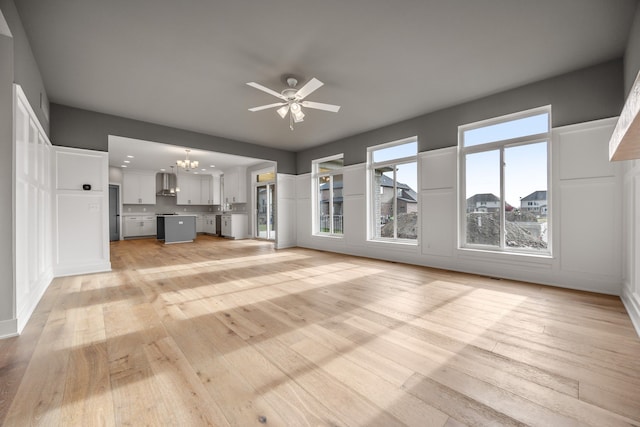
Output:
x=81 y=216
x=590 y=228
x=32 y=214
x=631 y=236
x=439 y=168
x=74 y=169
x=355 y=224
x=286 y=211
x=437 y=224
x=583 y=155
x=354 y=180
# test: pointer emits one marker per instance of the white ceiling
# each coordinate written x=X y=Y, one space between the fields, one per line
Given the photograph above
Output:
x=151 y=156
x=186 y=64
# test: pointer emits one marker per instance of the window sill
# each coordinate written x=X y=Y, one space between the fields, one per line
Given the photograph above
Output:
x=330 y=236
x=505 y=254
x=409 y=243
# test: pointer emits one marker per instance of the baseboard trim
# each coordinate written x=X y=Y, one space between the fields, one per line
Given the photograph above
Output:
x=8 y=328
x=74 y=270
x=25 y=313
x=632 y=304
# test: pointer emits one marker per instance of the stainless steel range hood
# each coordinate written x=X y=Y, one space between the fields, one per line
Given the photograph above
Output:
x=167 y=185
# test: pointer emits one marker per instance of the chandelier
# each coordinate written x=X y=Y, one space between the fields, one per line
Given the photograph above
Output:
x=187 y=164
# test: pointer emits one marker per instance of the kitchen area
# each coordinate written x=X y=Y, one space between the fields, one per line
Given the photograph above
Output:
x=174 y=194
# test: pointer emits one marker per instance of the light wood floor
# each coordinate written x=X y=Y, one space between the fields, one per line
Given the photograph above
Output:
x=235 y=333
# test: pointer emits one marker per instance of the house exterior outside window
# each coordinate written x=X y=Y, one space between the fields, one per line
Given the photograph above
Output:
x=393 y=200
x=327 y=195
x=503 y=184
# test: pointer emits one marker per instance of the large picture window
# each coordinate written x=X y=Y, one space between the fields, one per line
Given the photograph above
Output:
x=504 y=175
x=328 y=212
x=393 y=188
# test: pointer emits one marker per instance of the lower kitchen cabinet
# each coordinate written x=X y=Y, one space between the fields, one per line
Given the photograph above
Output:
x=210 y=224
x=234 y=226
x=138 y=226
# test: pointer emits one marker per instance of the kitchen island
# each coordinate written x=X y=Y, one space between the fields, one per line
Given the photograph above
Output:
x=176 y=228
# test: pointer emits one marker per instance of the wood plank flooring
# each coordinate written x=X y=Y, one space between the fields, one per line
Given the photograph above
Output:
x=234 y=333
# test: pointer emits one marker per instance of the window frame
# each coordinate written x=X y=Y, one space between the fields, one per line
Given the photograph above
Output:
x=315 y=193
x=371 y=167
x=501 y=146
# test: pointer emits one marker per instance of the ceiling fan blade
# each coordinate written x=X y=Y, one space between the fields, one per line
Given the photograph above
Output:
x=266 y=89
x=321 y=106
x=307 y=89
x=264 y=107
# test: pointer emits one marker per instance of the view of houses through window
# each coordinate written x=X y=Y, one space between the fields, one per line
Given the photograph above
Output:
x=394 y=181
x=504 y=178
x=328 y=182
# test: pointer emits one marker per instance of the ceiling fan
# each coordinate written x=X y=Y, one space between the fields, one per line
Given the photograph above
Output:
x=293 y=100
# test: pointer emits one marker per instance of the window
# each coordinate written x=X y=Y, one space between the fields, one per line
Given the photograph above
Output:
x=393 y=183
x=328 y=212
x=504 y=175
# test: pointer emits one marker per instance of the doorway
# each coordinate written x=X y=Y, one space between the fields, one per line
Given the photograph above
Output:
x=265 y=226
x=114 y=212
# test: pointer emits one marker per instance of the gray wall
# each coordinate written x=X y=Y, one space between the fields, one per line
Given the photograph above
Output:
x=632 y=54
x=6 y=178
x=26 y=71
x=588 y=94
x=74 y=127
x=17 y=64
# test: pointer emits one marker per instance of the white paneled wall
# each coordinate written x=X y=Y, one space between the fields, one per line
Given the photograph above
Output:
x=81 y=216
x=438 y=198
x=286 y=211
x=586 y=215
x=588 y=207
x=32 y=215
x=631 y=242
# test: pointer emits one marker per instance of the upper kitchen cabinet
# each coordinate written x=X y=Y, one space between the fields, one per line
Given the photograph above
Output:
x=139 y=188
x=235 y=185
x=210 y=189
x=215 y=190
x=190 y=190
x=198 y=190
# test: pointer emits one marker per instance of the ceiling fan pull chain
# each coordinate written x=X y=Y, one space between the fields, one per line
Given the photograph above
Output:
x=290 y=121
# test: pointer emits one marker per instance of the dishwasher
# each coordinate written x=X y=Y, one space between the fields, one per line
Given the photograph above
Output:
x=218 y=225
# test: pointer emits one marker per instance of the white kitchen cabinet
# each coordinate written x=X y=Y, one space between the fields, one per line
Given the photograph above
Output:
x=189 y=193
x=210 y=224
x=234 y=226
x=206 y=196
x=235 y=185
x=199 y=223
x=139 y=188
x=215 y=190
x=139 y=225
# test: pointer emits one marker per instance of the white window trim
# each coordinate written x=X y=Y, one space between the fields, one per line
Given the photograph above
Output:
x=315 y=181
x=501 y=145
x=371 y=167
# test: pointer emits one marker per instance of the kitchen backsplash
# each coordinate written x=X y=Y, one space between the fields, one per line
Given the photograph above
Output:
x=168 y=205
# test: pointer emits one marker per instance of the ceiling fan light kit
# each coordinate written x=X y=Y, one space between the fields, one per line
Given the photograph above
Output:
x=293 y=100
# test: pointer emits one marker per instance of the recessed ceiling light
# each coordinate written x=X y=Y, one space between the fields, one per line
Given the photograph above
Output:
x=130 y=156
x=203 y=170
x=196 y=173
x=212 y=166
x=127 y=161
x=123 y=166
x=162 y=170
